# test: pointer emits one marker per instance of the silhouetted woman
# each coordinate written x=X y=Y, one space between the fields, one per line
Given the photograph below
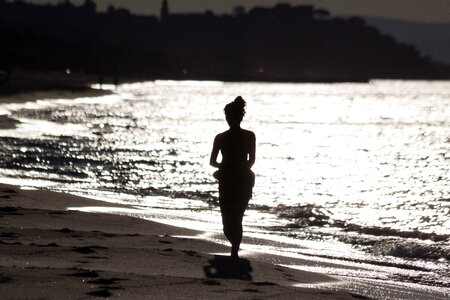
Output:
x=236 y=180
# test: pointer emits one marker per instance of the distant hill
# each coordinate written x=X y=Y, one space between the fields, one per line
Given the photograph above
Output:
x=432 y=39
x=280 y=43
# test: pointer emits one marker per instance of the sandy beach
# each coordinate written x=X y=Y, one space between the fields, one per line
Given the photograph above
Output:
x=48 y=252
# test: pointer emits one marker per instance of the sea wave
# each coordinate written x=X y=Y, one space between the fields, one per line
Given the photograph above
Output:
x=412 y=249
x=375 y=240
x=312 y=215
x=301 y=215
x=385 y=231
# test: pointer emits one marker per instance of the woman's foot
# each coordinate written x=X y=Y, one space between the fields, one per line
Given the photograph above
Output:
x=234 y=252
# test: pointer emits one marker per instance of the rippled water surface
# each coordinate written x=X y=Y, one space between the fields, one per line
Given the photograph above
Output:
x=358 y=172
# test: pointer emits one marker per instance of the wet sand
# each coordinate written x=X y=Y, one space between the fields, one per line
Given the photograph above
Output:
x=48 y=251
x=7 y=122
x=55 y=94
x=24 y=86
x=29 y=86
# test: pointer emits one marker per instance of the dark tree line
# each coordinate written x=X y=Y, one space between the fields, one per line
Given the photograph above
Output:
x=283 y=43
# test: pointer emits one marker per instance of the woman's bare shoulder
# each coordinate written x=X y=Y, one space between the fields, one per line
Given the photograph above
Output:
x=248 y=133
x=221 y=136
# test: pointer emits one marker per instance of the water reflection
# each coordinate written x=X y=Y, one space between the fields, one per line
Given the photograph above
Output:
x=359 y=164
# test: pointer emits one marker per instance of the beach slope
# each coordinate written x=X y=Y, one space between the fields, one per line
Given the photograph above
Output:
x=47 y=251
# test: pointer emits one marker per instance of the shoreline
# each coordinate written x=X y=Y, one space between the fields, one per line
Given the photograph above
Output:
x=52 y=252
x=34 y=93
x=324 y=285
x=26 y=86
x=47 y=234
x=31 y=96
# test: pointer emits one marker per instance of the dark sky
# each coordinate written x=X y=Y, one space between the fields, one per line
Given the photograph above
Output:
x=411 y=10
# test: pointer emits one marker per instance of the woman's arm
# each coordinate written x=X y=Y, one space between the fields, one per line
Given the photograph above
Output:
x=252 y=150
x=214 y=153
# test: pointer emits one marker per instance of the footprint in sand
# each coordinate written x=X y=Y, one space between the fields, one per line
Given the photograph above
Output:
x=8 y=193
x=96 y=257
x=105 y=281
x=166 y=250
x=88 y=274
x=56 y=214
x=12 y=243
x=47 y=245
x=210 y=282
x=9 y=210
x=359 y=296
x=191 y=253
x=165 y=242
x=286 y=275
x=65 y=230
x=87 y=249
x=105 y=286
x=133 y=234
x=100 y=293
x=5 y=279
x=9 y=235
x=264 y=283
x=251 y=291
x=83 y=261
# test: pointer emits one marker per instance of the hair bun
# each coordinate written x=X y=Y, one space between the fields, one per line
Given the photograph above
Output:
x=235 y=108
x=240 y=102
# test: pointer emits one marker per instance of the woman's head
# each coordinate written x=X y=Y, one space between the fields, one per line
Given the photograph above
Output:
x=235 y=111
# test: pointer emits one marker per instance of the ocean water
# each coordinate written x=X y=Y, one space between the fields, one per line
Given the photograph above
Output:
x=353 y=174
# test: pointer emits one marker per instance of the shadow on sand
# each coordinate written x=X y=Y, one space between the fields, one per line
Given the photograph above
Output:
x=228 y=268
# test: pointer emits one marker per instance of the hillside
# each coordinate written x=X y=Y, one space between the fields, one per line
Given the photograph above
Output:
x=283 y=43
x=431 y=39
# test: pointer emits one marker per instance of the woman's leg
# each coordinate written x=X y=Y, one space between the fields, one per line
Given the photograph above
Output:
x=233 y=200
x=232 y=224
x=236 y=239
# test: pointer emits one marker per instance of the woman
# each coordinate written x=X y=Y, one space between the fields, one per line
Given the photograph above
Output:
x=236 y=179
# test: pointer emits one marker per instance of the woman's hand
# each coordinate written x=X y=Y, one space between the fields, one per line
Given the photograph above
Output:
x=214 y=153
